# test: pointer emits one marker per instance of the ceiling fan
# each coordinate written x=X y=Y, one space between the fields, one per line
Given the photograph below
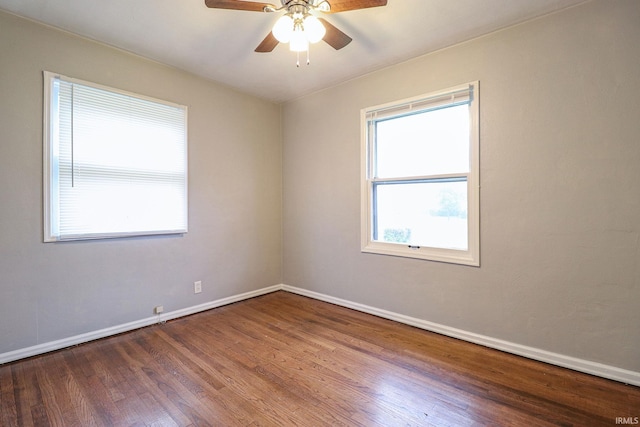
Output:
x=298 y=26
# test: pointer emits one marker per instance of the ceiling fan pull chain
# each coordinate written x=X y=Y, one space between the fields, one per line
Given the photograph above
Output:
x=308 y=61
x=298 y=59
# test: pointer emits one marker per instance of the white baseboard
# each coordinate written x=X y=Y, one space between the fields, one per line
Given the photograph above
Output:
x=581 y=365
x=118 y=329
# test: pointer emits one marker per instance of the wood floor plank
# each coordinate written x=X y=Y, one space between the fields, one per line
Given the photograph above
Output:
x=8 y=404
x=280 y=363
x=456 y=372
x=295 y=364
x=253 y=390
x=49 y=377
x=286 y=360
x=189 y=381
x=221 y=366
x=22 y=392
x=282 y=367
x=233 y=356
x=353 y=360
x=150 y=378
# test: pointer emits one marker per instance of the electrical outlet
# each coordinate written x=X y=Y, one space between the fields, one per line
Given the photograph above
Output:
x=197 y=287
x=159 y=309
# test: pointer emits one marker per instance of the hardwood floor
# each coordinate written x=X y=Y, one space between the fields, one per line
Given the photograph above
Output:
x=282 y=359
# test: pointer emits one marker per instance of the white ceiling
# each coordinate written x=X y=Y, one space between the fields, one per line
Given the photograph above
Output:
x=218 y=44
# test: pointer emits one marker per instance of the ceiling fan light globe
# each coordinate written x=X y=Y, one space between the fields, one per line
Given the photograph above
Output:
x=313 y=29
x=283 y=29
x=298 y=42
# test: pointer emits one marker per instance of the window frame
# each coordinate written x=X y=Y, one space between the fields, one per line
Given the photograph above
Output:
x=51 y=173
x=470 y=256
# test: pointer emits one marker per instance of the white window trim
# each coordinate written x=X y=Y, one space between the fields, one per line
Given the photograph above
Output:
x=51 y=235
x=471 y=256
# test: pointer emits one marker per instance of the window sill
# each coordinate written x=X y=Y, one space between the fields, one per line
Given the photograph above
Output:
x=450 y=256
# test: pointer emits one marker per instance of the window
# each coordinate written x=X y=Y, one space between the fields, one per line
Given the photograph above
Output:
x=420 y=184
x=115 y=163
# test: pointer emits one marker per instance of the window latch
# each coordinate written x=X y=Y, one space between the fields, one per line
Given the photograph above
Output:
x=414 y=247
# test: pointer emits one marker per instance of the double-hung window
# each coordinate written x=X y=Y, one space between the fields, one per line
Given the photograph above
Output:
x=420 y=183
x=115 y=163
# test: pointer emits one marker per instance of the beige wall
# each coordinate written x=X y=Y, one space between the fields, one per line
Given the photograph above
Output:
x=51 y=291
x=560 y=188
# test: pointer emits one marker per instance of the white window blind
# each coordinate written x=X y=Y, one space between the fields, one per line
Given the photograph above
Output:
x=115 y=162
x=448 y=99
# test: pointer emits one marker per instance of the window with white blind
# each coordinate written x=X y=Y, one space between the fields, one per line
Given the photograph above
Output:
x=420 y=183
x=115 y=163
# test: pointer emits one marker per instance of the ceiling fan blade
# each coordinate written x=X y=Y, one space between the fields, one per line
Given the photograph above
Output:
x=268 y=44
x=252 y=6
x=334 y=37
x=345 y=5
